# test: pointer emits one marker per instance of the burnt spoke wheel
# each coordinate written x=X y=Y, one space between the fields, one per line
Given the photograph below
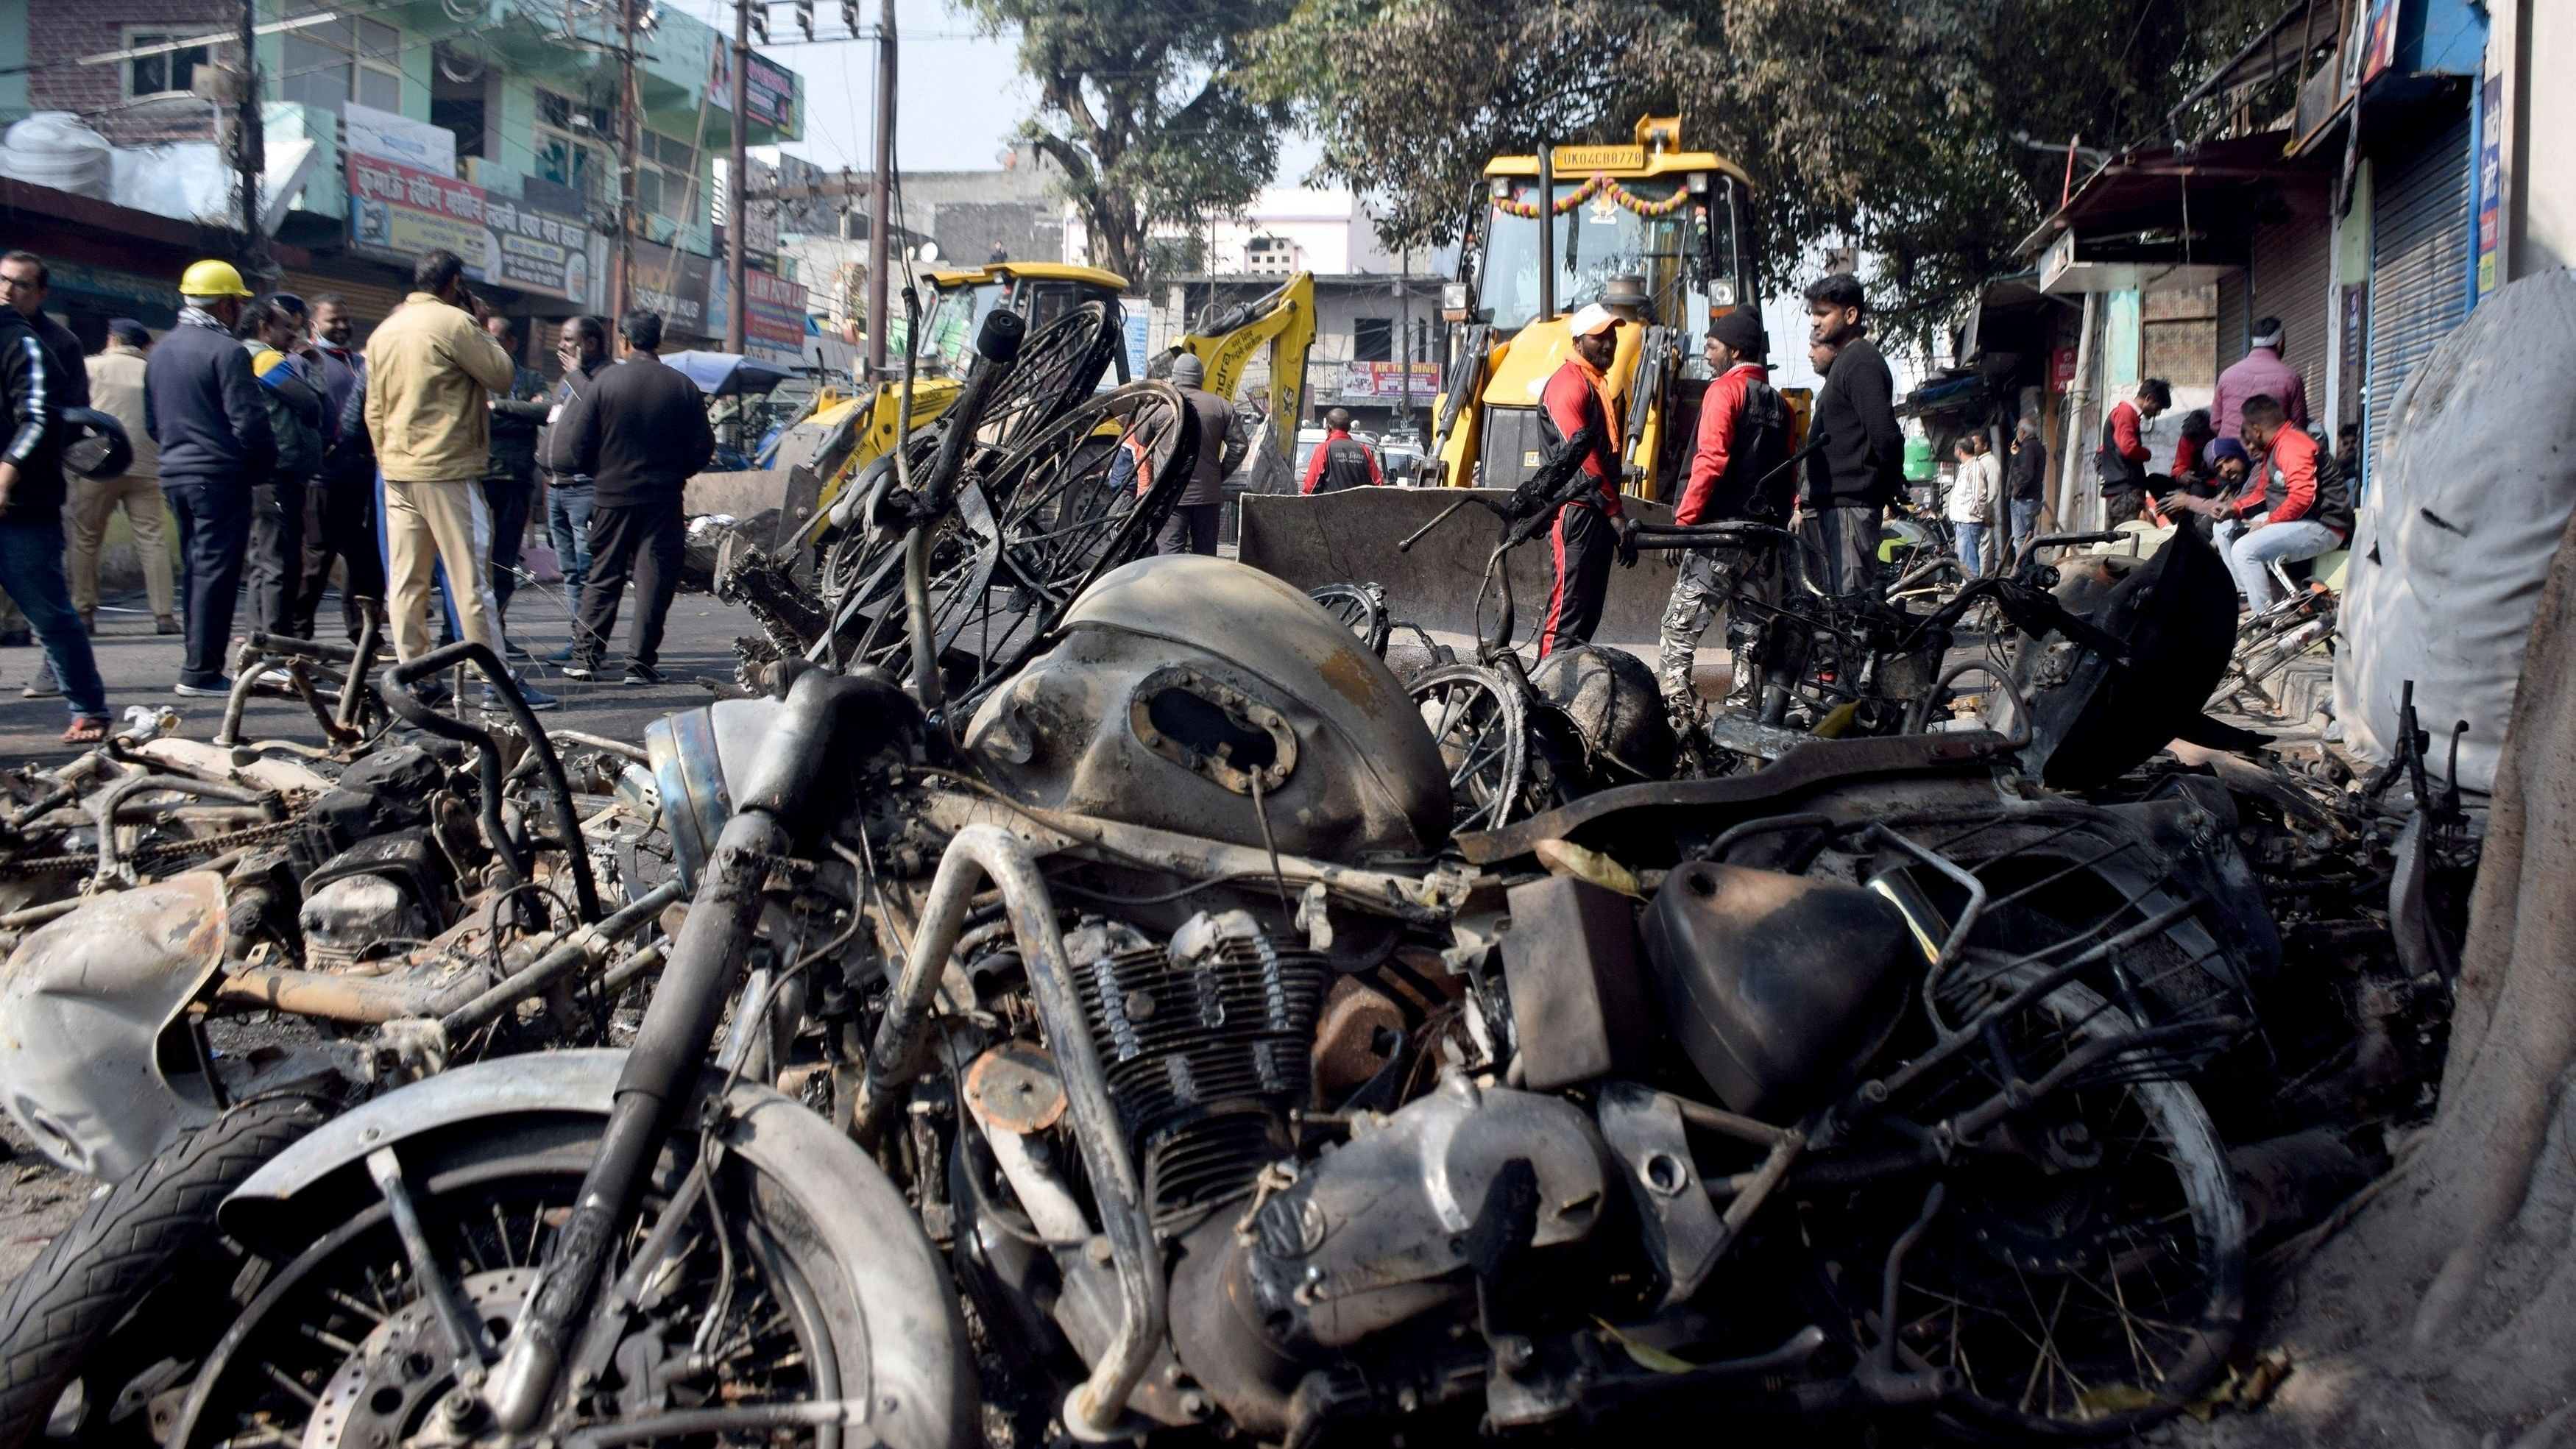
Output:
x=1361 y=608
x=2085 y=1276
x=1482 y=728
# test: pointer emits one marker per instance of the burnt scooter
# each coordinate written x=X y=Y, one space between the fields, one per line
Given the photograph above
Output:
x=1237 y=1098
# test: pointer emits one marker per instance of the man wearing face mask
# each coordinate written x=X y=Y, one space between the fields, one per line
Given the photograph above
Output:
x=1855 y=451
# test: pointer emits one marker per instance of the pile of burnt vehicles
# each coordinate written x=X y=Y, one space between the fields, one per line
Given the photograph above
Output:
x=1089 y=1020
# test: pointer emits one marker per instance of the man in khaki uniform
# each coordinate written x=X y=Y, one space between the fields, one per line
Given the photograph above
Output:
x=116 y=388
x=430 y=367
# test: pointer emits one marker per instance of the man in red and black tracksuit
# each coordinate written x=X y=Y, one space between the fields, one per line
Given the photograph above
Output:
x=2121 y=463
x=1342 y=461
x=1584 y=539
x=2296 y=507
x=1735 y=473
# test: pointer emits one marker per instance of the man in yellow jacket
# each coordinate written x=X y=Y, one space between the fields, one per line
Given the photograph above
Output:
x=430 y=369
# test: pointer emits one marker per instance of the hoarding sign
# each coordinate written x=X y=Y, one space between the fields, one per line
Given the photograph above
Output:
x=773 y=318
x=396 y=212
x=388 y=136
x=675 y=284
x=1386 y=381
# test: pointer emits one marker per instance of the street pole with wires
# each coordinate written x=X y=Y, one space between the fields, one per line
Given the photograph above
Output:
x=622 y=288
x=738 y=185
x=881 y=195
x=250 y=146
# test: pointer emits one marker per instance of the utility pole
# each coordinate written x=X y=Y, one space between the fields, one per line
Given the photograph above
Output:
x=881 y=197
x=621 y=289
x=738 y=185
x=250 y=145
x=1404 y=330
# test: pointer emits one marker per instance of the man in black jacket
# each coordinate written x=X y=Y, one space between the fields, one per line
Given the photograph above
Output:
x=31 y=524
x=272 y=332
x=1855 y=452
x=510 y=479
x=341 y=520
x=204 y=408
x=639 y=432
x=27 y=282
x=582 y=348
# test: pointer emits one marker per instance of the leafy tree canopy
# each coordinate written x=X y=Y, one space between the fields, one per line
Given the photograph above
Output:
x=1894 y=125
x=1139 y=102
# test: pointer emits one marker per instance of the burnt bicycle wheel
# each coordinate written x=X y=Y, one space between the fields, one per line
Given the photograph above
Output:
x=1481 y=724
x=1361 y=608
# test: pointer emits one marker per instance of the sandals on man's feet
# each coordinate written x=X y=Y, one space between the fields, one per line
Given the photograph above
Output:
x=87 y=730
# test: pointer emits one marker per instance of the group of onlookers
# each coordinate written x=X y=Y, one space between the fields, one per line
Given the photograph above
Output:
x=283 y=454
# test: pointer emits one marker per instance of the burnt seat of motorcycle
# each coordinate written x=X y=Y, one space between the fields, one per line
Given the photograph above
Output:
x=1776 y=986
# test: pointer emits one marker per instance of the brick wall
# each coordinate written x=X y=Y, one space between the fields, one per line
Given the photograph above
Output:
x=61 y=31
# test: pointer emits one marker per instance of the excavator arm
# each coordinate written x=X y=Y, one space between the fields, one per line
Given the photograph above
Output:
x=1279 y=325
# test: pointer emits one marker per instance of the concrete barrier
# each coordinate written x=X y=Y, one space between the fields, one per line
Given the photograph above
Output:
x=1350 y=537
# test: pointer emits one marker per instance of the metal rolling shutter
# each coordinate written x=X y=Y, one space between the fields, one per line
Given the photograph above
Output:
x=2419 y=248
x=2292 y=260
x=2233 y=319
x=370 y=292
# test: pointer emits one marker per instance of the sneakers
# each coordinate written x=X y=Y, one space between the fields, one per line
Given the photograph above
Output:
x=201 y=691
x=43 y=685
x=165 y=623
x=582 y=669
x=560 y=656
x=640 y=675
x=513 y=649
x=536 y=698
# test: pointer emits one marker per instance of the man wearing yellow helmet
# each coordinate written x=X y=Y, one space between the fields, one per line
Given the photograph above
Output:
x=203 y=406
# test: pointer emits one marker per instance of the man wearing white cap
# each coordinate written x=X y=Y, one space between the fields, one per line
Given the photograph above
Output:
x=1583 y=540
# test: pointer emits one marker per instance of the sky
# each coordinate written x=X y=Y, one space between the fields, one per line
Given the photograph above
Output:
x=959 y=94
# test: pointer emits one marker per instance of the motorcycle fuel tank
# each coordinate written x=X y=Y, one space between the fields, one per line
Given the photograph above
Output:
x=1774 y=983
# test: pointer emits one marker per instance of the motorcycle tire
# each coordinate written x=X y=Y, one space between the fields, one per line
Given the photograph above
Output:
x=800 y=1261
x=81 y=1325
x=2011 y=1242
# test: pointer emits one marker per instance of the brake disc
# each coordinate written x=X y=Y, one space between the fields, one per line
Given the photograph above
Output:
x=386 y=1391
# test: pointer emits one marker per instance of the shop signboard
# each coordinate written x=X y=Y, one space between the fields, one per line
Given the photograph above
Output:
x=1386 y=382
x=396 y=212
x=676 y=284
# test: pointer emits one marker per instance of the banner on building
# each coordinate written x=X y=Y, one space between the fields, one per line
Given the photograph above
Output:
x=773 y=318
x=675 y=284
x=1386 y=381
x=396 y=212
x=768 y=88
x=388 y=136
x=2487 y=213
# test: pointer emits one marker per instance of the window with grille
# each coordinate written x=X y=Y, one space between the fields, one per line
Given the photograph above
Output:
x=1373 y=339
x=572 y=145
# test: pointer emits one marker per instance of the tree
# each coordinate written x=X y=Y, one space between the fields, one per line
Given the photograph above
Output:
x=1893 y=125
x=1138 y=104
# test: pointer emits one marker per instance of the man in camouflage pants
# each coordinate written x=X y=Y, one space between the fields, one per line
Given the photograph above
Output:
x=1735 y=473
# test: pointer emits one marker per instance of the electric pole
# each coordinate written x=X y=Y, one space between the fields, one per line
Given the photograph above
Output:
x=881 y=196
x=738 y=186
x=250 y=145
x=622 y=287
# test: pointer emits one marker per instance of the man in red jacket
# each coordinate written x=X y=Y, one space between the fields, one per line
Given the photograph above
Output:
x=2296 y=506
x=2121 y=463
x=1342 y=461
x=1735 y=473
x=1583 y=539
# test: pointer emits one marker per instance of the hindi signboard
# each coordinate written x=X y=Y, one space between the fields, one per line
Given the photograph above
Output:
x=397 y=212
x=1385 y=381
x=773 y=318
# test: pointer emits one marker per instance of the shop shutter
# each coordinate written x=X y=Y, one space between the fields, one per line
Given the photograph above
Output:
x=2293 y=258
x=370 y=292
x=2419 y=253
x=2233 y=319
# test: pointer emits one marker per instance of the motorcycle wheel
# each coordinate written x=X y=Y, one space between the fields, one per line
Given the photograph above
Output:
x=2088 y=1281
x=1482 y=727
x=750 y=1320
x=89 y=1332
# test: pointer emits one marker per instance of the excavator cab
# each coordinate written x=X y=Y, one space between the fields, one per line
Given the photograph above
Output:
x=1662 y=235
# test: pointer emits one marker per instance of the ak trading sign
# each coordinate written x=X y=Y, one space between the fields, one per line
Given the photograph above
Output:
x=396 y=212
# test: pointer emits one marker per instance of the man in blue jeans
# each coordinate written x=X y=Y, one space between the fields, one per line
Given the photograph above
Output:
x=203 y=405
x=582 y=347
x=2295 y=507
x=31 y=525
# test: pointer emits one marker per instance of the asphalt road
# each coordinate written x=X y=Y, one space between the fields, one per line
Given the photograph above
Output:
x=140 y=667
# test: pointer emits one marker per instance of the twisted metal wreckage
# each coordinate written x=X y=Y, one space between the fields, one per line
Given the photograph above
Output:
x=1075 y=993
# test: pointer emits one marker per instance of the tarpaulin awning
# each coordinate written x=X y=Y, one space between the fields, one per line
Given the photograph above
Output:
x=720 y=374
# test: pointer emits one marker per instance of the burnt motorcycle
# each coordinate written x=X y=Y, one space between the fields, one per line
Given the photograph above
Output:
x=1150 y=1021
